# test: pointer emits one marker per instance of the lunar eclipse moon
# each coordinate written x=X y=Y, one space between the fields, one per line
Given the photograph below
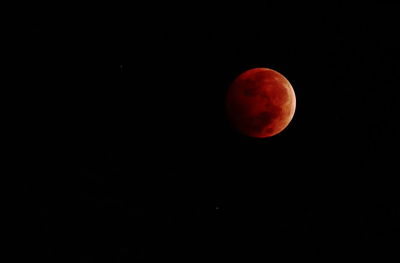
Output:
x=260 y=103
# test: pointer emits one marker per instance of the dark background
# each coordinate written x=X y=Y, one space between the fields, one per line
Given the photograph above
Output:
x=131 y=157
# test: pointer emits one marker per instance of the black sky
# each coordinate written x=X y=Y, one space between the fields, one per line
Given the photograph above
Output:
x=125 y=112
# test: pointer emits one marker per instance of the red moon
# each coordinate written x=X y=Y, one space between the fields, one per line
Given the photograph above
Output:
x=260 y=102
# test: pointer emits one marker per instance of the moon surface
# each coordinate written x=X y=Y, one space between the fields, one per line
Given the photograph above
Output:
x=260 y=102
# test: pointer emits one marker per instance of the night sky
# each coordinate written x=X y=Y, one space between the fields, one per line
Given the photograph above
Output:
x=133 y=159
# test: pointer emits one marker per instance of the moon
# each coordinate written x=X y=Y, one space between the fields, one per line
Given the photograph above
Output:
x=260 y=103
